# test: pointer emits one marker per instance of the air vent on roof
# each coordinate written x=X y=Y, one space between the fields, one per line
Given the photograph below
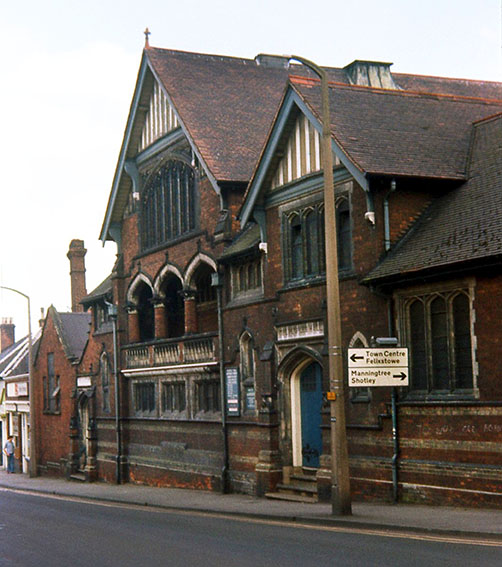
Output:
x=272 y=61
x=370 y=74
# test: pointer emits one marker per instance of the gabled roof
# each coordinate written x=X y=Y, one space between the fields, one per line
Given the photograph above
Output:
x=400 y=133
x=226 y=107
x=462 y=228
x=244 y=243
x=73 y=331
x=226 y=104
x=223 y=104
x=444 y=85
x=388 y=132
x=14 y=360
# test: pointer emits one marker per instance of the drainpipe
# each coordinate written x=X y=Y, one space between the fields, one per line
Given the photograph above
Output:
x=217 y=281
x=112 y=313
x=386 y=218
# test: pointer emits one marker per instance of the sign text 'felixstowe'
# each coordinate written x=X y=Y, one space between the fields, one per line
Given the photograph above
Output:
x=378 y=367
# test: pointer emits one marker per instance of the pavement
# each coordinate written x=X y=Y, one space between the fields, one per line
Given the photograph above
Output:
x=432 y=520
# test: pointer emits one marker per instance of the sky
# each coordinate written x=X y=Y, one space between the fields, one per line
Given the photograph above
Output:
x=69 y=68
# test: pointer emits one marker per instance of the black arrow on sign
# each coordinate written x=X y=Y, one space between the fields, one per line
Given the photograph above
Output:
x=354 y=357
x=402 y=376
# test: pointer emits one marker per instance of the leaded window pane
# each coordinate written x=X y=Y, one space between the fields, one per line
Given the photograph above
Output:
x=168 y=205
x=144 y=397
x=439 y=345
x=296 y=248
x=439 y=334
x=463 y=350
x=257 y=266
x=344 y=235
x=305 y=241
x=312 y=243
x=242 y=278
x=208 y=396
x=418 y=346
x=322 y=243
x=173 y=397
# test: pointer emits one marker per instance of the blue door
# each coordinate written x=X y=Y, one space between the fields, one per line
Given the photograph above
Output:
x=311 y=403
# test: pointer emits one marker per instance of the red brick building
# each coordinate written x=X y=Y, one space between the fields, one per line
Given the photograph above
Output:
x=64 y=336
x=219 y=287
x=61 y=447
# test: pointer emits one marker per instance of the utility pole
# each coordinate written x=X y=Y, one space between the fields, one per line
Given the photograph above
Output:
x=340 y=480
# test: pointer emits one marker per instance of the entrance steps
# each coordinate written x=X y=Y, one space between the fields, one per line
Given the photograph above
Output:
x=300 y=488
x=78 y=477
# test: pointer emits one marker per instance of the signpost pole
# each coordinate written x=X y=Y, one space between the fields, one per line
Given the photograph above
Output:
x=376 y=367
x=395 y=443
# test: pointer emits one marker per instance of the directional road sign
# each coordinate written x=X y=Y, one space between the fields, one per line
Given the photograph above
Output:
x=370 y=367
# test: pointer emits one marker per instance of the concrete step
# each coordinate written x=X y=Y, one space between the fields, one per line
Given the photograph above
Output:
x=302 y=479
x=78 y=477
x=298 y=487
x=291 y=497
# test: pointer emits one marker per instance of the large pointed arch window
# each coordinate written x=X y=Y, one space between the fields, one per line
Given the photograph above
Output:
x=438 y=332
x=168 y=204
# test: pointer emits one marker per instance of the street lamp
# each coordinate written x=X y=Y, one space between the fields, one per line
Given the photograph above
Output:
x=32 y=435
x=340 y=481
x=113 y=316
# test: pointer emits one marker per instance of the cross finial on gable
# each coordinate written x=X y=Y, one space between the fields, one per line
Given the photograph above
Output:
x=147 y=33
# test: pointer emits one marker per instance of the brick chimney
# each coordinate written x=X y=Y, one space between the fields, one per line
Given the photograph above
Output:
x=7 y=333
x=76 y=255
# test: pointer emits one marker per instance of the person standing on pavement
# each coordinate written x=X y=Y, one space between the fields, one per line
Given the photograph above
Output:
x=9 y=450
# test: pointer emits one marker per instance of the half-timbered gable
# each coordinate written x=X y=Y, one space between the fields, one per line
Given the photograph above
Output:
x=393 y=174
x=159 y=119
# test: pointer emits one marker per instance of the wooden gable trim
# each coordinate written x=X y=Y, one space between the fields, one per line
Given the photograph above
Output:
x=121 y=184
x=291 y=99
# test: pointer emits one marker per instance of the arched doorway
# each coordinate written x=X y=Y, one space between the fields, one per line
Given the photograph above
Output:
x=306 y=406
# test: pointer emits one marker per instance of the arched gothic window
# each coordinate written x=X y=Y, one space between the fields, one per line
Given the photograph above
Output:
x=304 y=247
x=168 y=204
x=105 y=381
x=439 y=335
